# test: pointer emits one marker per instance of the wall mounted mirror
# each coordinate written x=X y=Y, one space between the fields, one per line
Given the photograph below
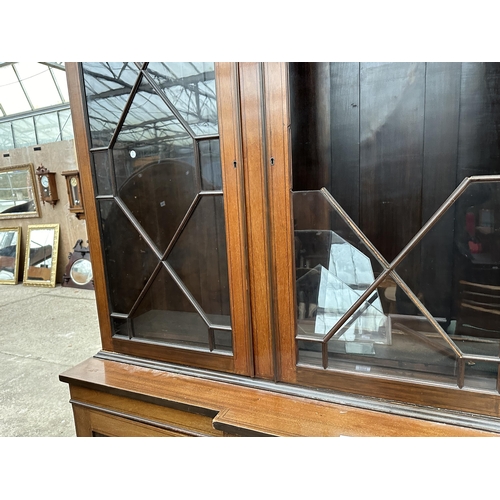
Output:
x=10 y=248
x=18 y=197
x=40 y=263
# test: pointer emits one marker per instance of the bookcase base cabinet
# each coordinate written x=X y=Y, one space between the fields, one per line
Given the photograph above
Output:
x=112 y=398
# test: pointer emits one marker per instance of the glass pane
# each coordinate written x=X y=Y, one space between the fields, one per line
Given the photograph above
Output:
x=190 y=87
x=149 y=135
x=165 y=314
x=223 y=340
x=107 y=87
x=391 y=142
x=413 y=350
x=199 y=259
x=333 y=265
x=334 y=298
x=12 y=97
x=129 y=260
x=159 y=195
x=455 y=271
x=24 y=132
x=6 y=139
x=120 y=327
x=60 y=77
x=66 y=125
x=102 y=172
x=47 y=128
x=38 y=83
x=160 y=173
x=211 y=172
x=481 y=375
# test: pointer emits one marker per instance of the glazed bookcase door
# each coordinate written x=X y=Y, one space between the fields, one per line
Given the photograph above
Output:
x=384 y=230
x=158 y=148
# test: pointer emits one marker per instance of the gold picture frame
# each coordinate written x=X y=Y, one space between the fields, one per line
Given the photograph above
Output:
x=10 y=248
x=40 y=263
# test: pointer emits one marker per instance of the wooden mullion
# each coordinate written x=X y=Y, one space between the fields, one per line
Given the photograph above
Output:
x=281 y=220
x=257 y=216
x=228 y=105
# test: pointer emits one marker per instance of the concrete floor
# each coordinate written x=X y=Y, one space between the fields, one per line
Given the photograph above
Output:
x=43 y=331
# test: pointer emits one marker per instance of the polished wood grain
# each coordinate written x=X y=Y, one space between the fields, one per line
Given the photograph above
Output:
x=254 y=126
x=257 y=217
x=426 y=394
x=236 y=410
x=83 y=426
x=277 y=416
x=82 y=142
x=172 y=419
x=106 y=425
x=234 y=210
x=170 y=354
x=280 y=214
x=230 y=132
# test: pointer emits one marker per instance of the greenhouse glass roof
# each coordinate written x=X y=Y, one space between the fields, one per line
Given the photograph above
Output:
x=29 y=86
x=34 y=104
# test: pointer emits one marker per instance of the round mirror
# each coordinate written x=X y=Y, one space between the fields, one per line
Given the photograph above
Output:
x=81 y=272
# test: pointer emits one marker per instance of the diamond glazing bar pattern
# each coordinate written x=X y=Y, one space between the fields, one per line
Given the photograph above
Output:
x=152 y=109
x=354 y=311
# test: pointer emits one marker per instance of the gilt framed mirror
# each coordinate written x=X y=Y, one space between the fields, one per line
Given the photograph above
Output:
x=10 y=248
x=40 y=263
x=18 y=195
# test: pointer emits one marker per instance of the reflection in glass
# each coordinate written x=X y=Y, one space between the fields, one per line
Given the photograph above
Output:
x=165 y=314
x=335 y=297
x=158 y=167
x=223 y=340
x=455 y=268
x=159 y=196
x=198 y=258
x=211 y=172
x=17 y=194
x=9 y=255
x=190 y=87
x=417 y=351
x=102 y=172
x=150 y=134
x=107 y=87
x=333 y=268
x=448 y=300
x=390 y=142
x=129 y=259
x=41 y=255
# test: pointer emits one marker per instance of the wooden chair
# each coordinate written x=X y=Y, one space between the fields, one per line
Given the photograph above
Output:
x=479 y=311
